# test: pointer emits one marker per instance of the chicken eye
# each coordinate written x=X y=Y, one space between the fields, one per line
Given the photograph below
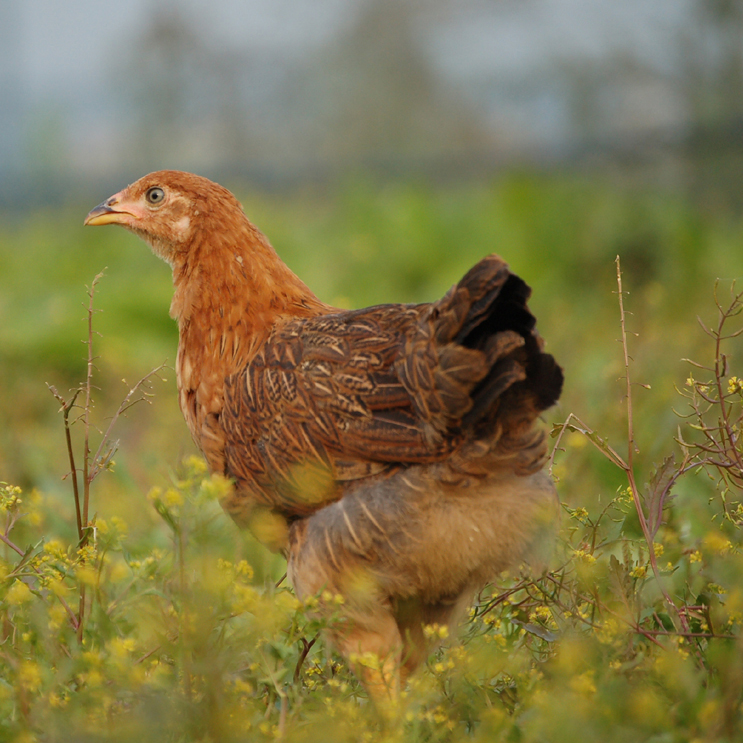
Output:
x=155 y=195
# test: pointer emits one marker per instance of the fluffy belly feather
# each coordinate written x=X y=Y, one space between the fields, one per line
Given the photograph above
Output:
x=410 y=536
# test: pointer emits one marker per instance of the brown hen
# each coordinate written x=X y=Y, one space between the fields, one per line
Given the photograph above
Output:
x=391 y=453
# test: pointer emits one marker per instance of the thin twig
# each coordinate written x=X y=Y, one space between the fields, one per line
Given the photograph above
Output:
x=306 y=647
x=629 y=471
x=12 y=545
x=98 y=461
x=66 y=407
x=281 y=693
x=631 y=448
x=86 y=411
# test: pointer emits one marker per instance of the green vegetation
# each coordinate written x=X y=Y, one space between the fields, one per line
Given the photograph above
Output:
x=161 y=621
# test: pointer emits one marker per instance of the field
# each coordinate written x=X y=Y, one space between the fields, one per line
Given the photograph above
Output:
x=161 y=621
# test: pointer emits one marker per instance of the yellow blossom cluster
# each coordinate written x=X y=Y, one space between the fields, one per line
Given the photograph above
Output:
x=440 y=631
x=584 y=556
x=10 y=497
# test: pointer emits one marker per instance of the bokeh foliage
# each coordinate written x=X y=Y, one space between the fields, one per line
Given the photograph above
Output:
x=187 y=637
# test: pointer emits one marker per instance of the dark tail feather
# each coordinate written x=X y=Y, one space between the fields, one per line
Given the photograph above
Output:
x=498 y=323
x=479 y=347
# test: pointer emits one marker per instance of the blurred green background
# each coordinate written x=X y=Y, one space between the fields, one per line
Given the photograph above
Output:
x=364 y=242
x=384 y=147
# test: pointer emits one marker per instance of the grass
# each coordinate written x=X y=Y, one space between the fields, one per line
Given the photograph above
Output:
x=159 y=620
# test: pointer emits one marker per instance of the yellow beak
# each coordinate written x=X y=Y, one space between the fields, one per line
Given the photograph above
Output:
x=111 y=211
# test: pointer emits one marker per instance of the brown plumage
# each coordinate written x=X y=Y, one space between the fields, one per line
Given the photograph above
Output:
x=391 y=453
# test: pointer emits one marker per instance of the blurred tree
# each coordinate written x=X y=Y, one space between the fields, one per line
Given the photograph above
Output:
x=713 y=58
x=186 y=91
x=447 y=83
x=10 y=92
x=371 y=93
x=712 y=54
x=381 y=94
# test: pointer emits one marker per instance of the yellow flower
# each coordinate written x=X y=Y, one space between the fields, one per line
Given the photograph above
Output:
x=120 y=525
x=246 y=598
x=57 y=615
x=29 y=676
x=10 y=497
x=94 y=678
x=311 y=602
x=716 y=542
x=86 y=575
x=370 y=660
x=585 y=556
x=173 y=498
x=196 y=464
x=55 y=548
x=19 y=593
x=580 y=514
x=608 y=631
x=215 y=487
x=243 y=568
x=243 y=687
x=58 y=588
x=583 y=684
x=287 y=601
x=436 y=630
x=56 y=701
x=122 y=647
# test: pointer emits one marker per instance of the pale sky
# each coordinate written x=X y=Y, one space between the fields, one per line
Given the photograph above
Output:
x=69 y=58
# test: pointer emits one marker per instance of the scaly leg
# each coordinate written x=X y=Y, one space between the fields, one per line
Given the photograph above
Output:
x=373 y=650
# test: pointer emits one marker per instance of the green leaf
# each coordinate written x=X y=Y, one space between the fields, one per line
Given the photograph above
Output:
x=657 y=495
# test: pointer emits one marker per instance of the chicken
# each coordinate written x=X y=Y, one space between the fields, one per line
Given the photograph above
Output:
x=393 y=453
